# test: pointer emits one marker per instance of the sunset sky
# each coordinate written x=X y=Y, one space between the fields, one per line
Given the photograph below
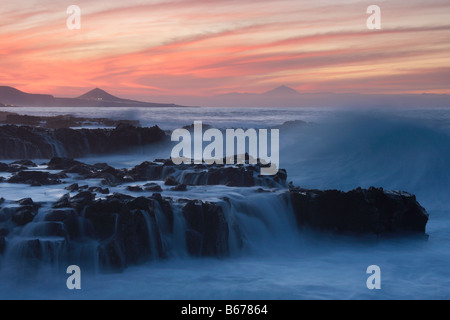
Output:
x=141 y=49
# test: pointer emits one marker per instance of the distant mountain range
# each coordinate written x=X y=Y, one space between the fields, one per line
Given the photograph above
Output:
x=285 y=96
x=95 y=98
x=282 y=96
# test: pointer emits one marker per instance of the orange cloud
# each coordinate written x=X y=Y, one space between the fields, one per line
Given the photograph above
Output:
x=200 y=47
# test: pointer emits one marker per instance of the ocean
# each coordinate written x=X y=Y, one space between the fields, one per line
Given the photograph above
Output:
x=397 y=149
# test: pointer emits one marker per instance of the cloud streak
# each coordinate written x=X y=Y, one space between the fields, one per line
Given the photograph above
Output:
x=199 y=47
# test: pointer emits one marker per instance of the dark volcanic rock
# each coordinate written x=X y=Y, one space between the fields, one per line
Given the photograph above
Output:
x=68 y=217
x=135 y=188
x=25 y=213
x=63 y=202
x=170 y=181
x=36 y=178
x=81 y=200
x=23 y=216
x=148 y=171
x=207 y=229
x=2 y=244
x=57 y=163
x=25 y=163
x=233 y=176
x=25 y=142
x=359 y=211
x=122 y=225
x=109 y=175
x=153 y=187
x=4 y=231
x=101 y=190
x=4 y=167
x=26 y=202
x=121 y=230
x=180 y=187
x=73 y=187
x=12 y=167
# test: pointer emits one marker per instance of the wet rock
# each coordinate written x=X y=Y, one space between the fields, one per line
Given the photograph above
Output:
x=101 y=166
x=146 y=171
x=107 y=179
x=23 y=216
x=135 y=188
x=32 y=249
x=101 y=190
x=359 y=211
x=120 y=197
x=2 y=244
x=152 y=187
x=4 y=231
x=111 y=256
x=235 y=176
x=24 y=163
x=72 y=188
x=36 y=178
x=141 y=203
x=207 y=229
x=63 y=202
x=81 y=200
x=50 y=229
x=103 y=215
x=25 y=213
x=180 y=187
x=4 y=167
x=81 y=169
x=57 y=163
x=170 y=181
x=68 y=217
x=24 y=142
x=26 y=202
x=123 y=231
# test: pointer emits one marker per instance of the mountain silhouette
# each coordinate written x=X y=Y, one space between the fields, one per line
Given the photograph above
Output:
x=282 y=91
x=95 y=98
x=99 y=94
x=12 y=96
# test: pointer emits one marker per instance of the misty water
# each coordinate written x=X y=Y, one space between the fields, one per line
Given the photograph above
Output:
x=399 y=149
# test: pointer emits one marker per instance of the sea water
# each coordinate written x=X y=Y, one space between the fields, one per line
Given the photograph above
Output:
x=399 y=149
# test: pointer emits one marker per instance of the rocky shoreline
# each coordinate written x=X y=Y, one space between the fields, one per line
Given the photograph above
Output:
x=59 y=122
x=26 y=142
x=126 y=229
